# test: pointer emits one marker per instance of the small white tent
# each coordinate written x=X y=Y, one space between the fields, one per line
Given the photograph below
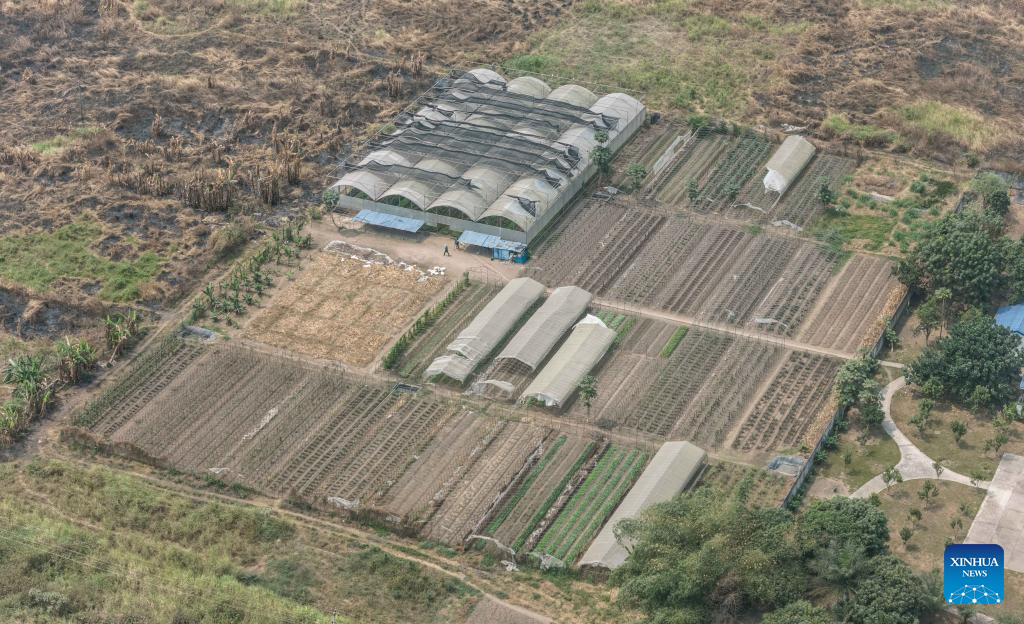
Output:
x=787 y=162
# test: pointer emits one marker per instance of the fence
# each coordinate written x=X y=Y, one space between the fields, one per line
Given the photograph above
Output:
x=840 y=412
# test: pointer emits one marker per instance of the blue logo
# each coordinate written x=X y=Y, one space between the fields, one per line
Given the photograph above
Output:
x=973 y=574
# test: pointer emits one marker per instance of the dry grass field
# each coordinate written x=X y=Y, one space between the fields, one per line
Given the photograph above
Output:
x=342 y=308
x=935 y=76
x=160 y=130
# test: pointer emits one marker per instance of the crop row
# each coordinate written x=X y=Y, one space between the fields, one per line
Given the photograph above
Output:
x=590 y=506
x=525 y=486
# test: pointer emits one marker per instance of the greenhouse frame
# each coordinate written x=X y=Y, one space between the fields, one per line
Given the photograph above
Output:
x=486 y=154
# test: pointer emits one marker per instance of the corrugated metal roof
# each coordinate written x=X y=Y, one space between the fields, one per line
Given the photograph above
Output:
x=1012 y=318
x=787 y=162
x=490 y=242
x=389 y=221
x=671 y=470
x=487 y=329
x=538 y=336
x=583 y=349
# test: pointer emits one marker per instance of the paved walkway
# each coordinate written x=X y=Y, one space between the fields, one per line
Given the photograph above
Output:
x=1001 y=517
x=914 y=464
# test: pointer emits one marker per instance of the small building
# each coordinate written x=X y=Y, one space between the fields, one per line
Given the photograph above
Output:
x=787 y=162
x=674 y=468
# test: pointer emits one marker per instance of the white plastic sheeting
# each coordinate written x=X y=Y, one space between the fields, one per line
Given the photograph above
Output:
x=671 y=470
x=538 y=336
x=787 y=162
x=580 y=352
x=518 y=172
x=486 y=329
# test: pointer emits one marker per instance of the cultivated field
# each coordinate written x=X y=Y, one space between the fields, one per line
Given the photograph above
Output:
x=859 y=295
x=758 y=487
x=430 y=344
x=291 y=428
x=687 y=265
x=344 y=308
x=528 y=504
x=597 y=497
x=681 y=383
x=791 y=412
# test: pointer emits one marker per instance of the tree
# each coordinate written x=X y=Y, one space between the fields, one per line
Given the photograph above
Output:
x=958 y=252
x=938 y=468
x=703 y=555
x=943 y=301
x=869 y=403
x=922 y=418
x=844 y=521
x=588 y=391
x=959 y=429
x=915 y=515
x=927 y=492
x=602 y=157
x=826 y=195
x=636 y=174
x=892 y=338
x=889 y=594
x=977 y=353
x=905 y=534
x=800 y=611
x=33 y=389
x=998 y=203
x=892 y=475
x=692 y=190
x=928 y=319
x=852 y=377
x=997 y=442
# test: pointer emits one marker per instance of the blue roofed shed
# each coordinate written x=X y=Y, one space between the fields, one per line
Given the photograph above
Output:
x=1012 y=318
x=503 y=249
x=394 y=222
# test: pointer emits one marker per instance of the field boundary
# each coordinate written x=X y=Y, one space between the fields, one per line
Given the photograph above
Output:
x=797 y=487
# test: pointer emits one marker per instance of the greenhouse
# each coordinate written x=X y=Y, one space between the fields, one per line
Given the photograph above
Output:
x=483 y=153
x=580 y=352
x=787 y=162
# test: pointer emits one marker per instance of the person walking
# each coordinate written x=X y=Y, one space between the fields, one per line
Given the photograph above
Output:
x=446 y=252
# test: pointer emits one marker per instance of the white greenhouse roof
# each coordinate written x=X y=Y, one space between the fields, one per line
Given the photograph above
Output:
x=580 y=352
x=540 y=334
x=489 y=148
x=787 y=162
x=672 y=469
x=486 y=329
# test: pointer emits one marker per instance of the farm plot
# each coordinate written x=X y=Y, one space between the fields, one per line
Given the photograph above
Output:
x=790 y=411
x=732 y=172
x=657 y=261
x=466 y=507
x=431 y=343
x=571 y=248
x=282 y=426
x=690 y=168
x=343 y=308
x=790 y=299
x=855 y=302
x=150 y=374
x=528 y=503
x=591 y=504
x=756 y=486
x=801 y=204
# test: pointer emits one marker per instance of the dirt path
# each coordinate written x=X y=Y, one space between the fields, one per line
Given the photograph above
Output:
x=454 y=569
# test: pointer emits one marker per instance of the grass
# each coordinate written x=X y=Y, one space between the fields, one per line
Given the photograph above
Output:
x=691 y=60
x=853 y=463
x=925 y=549
x=673 y=342
x=37 y=261
x=92 y=544
x=961 y=125
x=57 y=144
x=840 y=126
x=968 y=457
x=857 y=230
